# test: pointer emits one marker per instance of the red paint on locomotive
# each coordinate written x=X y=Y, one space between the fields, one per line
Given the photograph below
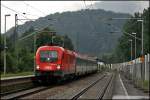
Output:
x=55 y=61
x=55 y=58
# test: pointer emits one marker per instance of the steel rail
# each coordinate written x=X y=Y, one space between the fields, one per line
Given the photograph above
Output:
x=15 y=91
x=76 y=96
x=106 y=87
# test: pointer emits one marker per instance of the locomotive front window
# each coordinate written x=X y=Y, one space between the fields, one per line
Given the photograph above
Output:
x=48 y=56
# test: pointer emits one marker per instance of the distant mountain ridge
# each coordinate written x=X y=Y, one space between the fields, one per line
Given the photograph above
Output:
x=88 y=29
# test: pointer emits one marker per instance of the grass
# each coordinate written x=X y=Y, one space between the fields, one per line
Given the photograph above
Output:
x=146 y=84
x=143 y=84
x=139 y=83
x=16 y=74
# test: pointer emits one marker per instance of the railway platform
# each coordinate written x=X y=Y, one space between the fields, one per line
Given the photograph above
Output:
x=123 y=89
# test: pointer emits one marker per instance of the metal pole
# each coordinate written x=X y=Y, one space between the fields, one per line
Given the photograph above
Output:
x=135 y=56
x=5 y=48
x=135 y=46
x=131 y=50
x=142 y=38
x=142 y=21
x=5 y=44
x=15 y=31
x=16 y=37
x=142 y=51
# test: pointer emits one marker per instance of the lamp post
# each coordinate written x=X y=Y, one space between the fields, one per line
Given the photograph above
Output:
x=139 y=20
x=135 y=54
x=142 y=52
x=5 y=44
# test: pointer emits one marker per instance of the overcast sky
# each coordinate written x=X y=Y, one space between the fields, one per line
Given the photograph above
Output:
x=36 y=9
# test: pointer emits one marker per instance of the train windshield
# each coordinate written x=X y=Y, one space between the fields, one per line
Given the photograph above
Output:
x=48 y=56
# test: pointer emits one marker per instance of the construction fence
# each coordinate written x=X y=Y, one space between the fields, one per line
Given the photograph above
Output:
x=136 y=70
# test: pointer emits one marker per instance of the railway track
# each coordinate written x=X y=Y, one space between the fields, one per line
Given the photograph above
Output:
x=80 y=89
x=64 y=91
x=15 y=84
x=24 y=93
x=15 y=94
x=105 y=81
x=101 y=85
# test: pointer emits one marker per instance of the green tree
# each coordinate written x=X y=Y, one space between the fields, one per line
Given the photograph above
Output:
x=146 y=16
x=25 y=49
x=68 y=43
x=49 y=37
x=123 y=48
x=44 y=37
x=26 y=60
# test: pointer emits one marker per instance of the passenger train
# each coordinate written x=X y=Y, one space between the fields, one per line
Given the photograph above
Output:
x=54 y=62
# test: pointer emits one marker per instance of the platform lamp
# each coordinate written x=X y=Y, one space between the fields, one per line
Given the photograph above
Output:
x=5 y=44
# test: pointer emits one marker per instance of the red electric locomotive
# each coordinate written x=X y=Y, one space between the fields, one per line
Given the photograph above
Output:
x=54 y=62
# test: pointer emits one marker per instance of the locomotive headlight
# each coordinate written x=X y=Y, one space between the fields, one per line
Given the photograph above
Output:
x=58 y=67
x=37 y=67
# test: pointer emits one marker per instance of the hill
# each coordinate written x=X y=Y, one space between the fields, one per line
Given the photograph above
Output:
x=88 y=29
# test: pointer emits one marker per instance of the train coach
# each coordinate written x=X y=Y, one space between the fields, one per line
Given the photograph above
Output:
x=54 y=62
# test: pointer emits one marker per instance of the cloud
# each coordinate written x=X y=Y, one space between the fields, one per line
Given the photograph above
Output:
x=44 y=8
x=122 y=6
x=50 y=7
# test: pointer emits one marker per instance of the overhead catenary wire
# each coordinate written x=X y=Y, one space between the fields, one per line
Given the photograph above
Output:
x=34 y=8
x=21 y=21
x=14 y=11
x=90 y=17
x=19 y=13
x=91 y=5
x=126 y=33
x=32 y=15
